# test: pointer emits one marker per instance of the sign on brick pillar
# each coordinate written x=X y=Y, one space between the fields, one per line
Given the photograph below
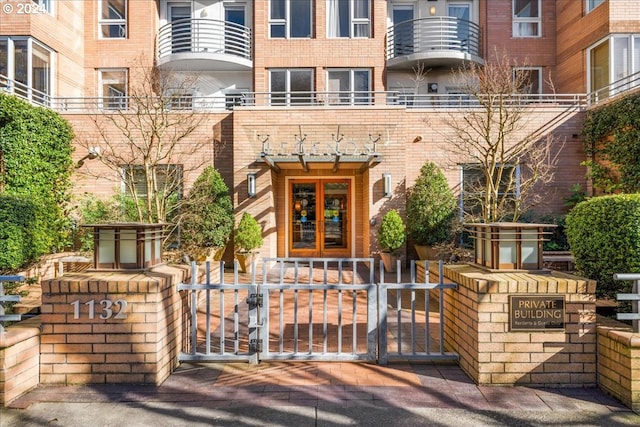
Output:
x=111 y=326
x=477 y=326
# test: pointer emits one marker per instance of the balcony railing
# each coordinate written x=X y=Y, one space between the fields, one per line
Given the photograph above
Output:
x=315 y=99
x=433 y=37
x=204 y=36
x=23 y=91
x=615 y=89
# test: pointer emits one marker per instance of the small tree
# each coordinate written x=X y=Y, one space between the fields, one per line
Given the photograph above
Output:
x=391 y=232
x=248 y=235
x=207 y=218
x=495 y=136
x=431 y=207
x=150 y=141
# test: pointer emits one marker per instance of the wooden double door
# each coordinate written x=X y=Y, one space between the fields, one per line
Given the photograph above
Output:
x=319 y=217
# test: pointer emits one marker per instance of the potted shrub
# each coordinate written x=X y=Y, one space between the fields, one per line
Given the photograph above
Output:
x=391 y=237
x=431 y=209
x=247 y=238
x=207 y=220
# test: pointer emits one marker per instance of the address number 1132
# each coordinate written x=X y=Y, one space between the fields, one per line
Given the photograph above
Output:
x=104 y=309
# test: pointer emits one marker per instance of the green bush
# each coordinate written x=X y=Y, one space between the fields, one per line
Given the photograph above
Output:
x=21 y=232
x=604 y=235
x=431 y=207
x=92 y=210
x=248 y=235
x=391 y=232
x=35 y=160
x=208 y=212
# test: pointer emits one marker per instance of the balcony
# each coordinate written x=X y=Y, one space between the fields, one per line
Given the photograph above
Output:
x=440 y=41
x=204 y=44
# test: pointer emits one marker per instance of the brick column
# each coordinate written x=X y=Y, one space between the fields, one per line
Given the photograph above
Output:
x=477 y=328
x=111 y=327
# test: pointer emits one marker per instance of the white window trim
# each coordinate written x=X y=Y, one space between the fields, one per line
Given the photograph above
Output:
x=538 y=69
x=352 y=91
x=11 y=66
x=102 y=96
x=123 y=21
x=287 y=21
x=536 y=20
x=590 y=8
x=633 y=66
x=352 y=22
x=287 y=99
x=45 y=6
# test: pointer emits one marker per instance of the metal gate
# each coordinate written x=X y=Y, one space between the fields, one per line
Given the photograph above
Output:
x=328 y=309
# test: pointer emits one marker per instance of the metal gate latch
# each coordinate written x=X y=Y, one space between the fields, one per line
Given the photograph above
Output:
x=255 y=346
x=254 y=300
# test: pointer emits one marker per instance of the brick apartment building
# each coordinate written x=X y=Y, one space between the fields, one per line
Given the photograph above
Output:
x=314 y=112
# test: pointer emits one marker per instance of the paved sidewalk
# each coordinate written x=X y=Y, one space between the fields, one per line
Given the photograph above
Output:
x=315 y=394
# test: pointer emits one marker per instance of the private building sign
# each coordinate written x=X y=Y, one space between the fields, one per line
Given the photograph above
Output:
x=536 y=313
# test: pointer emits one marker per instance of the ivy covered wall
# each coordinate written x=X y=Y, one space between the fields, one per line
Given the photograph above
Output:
x=35 y=185
x=612 y=143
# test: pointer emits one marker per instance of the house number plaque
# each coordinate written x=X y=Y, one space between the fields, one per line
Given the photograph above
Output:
x=103 y=309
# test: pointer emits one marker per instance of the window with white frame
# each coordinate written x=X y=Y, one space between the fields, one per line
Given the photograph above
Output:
x=526 y=18
x=531 y=78
x=166 y=179
x=592 y=4
x=112 y=19
x=291 y=86
x=112 y=88
x=26 y=65
x=44 y=5
x=473 y=184
x=349 y=86
x=348 y=18
x=611 y=63
x=290 y=18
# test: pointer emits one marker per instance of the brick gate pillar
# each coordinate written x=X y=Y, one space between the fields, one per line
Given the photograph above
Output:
x=112 y=326
x=493 y=321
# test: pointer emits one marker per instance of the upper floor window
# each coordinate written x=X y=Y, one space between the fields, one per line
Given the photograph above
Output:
x=348 y=18
x=531 y=79
x=290 y=18
x=349 y=86
x=112 y=19
x=526 y=18
x=158 y=178
x=612 y=65
x=43 y=5
x=592 y=4
x=473 y=183
x=291 y=86
x=112 y=88
x=26 y=64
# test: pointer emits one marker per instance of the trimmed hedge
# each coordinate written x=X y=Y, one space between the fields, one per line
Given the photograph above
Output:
x=604 y=235
x=208 y=212
x=431 y=207
x=391 y=232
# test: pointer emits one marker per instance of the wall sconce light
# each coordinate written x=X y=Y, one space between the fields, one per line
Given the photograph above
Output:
x=386 y=184
x=251 y=184
x=94 y=153
x=432 y=10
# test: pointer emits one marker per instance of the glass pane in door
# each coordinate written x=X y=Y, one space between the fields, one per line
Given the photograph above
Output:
x=179 y=16
x=303 y=216
x=335 y=215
